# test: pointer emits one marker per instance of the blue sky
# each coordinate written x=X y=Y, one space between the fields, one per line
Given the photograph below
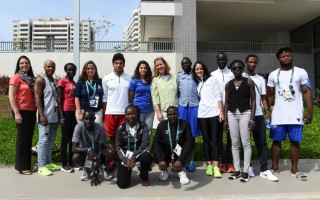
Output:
x=119 y=12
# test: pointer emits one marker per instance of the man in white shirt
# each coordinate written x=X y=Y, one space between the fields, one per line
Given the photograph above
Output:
x=259 y=133
x=223 y=75
x=287 y=92
x=116 y=96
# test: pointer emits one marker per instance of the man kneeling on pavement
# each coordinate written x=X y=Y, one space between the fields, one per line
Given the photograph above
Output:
x=173 y=144
x=89 y=150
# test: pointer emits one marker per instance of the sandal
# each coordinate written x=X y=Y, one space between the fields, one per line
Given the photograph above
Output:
x=25 y=172
x=300 y=176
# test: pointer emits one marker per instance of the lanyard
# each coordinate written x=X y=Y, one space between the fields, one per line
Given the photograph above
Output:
x=202 y=83
x=134 y=136
x=92 y=87
x=291 y=77
x=177 y=136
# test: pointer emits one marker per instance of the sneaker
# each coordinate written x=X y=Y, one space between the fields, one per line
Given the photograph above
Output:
x=163 y=175
x=216 y=172
x=244 y=177
x=75 y=167
x=209 y=170
x=107 y=175
x=235 y=175
x=191 y=167
x=230 y=168
x=183 y=178
x=269 y=175
x=145 y=182
x=250 y=172
x=223 y=168
x=84 y=177
x=53 y=167
x=67 y=169
x=44 y=171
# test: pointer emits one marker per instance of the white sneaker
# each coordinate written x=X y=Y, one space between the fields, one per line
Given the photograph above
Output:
x=250 y=172
x=183 y=178
x=84 y=177
x=163 y=175
x=268 y=175
x=107 y=175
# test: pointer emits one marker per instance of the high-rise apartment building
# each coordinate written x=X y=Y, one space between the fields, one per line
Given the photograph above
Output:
x=48 y=33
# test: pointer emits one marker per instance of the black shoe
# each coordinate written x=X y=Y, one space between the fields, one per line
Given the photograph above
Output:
x=235 y=175
x=244 y=177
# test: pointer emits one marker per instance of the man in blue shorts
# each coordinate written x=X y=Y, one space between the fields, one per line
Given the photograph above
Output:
x=188 y=101
x=287 y=91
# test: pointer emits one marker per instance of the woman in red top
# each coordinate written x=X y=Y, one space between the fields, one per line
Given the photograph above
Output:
x=24 y=112
x=67 y=110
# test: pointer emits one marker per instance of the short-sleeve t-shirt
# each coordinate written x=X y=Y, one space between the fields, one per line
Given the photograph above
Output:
x=68 y=94
x=260 y=87
x=24 y=96
x=83 y=92
x=142 y=97
x=81 y=136
x=288 y=107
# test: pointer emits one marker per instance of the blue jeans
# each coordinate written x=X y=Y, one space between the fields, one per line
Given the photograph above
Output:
x=47 y=135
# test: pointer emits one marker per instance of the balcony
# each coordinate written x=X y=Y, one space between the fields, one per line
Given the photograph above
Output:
x=155 y=46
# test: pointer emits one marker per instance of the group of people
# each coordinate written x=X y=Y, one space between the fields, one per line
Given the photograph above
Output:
x=106 y=119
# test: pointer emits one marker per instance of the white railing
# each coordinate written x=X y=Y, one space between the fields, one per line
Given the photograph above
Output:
x=155 y=46
x=96 y=46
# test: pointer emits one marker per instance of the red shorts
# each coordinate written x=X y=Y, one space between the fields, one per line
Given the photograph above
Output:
x=112 y=122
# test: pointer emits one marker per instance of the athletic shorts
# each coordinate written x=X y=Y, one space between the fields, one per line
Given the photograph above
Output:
x=112 y=122
x=280 y=132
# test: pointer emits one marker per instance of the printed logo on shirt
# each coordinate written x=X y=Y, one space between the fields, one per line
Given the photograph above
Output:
x=298 y=119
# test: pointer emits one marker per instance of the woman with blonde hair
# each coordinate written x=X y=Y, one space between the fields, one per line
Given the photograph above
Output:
x=164 y=88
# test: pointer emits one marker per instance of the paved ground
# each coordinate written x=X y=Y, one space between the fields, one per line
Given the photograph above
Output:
x=68 y=186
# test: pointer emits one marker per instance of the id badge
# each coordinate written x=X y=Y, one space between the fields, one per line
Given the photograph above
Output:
x=177 y=150
x=93 y=100
x=129 y=154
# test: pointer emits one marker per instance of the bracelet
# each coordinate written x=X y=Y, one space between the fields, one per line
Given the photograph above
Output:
x=252 y=122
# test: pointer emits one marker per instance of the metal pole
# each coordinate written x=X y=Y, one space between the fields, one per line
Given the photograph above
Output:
x=76 y=37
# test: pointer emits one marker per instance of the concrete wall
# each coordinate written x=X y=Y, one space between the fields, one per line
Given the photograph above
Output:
x=103 y=61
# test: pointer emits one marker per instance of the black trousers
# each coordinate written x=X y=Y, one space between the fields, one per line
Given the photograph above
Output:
x=66 y=140
x=210 y=135
x=24 y=140
x=124 y=175
x=259 y=136
x=224 y=154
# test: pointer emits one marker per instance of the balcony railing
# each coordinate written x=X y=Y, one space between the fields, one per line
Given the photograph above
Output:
x=96 y=46
x=155 y=46
x=250 y=47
